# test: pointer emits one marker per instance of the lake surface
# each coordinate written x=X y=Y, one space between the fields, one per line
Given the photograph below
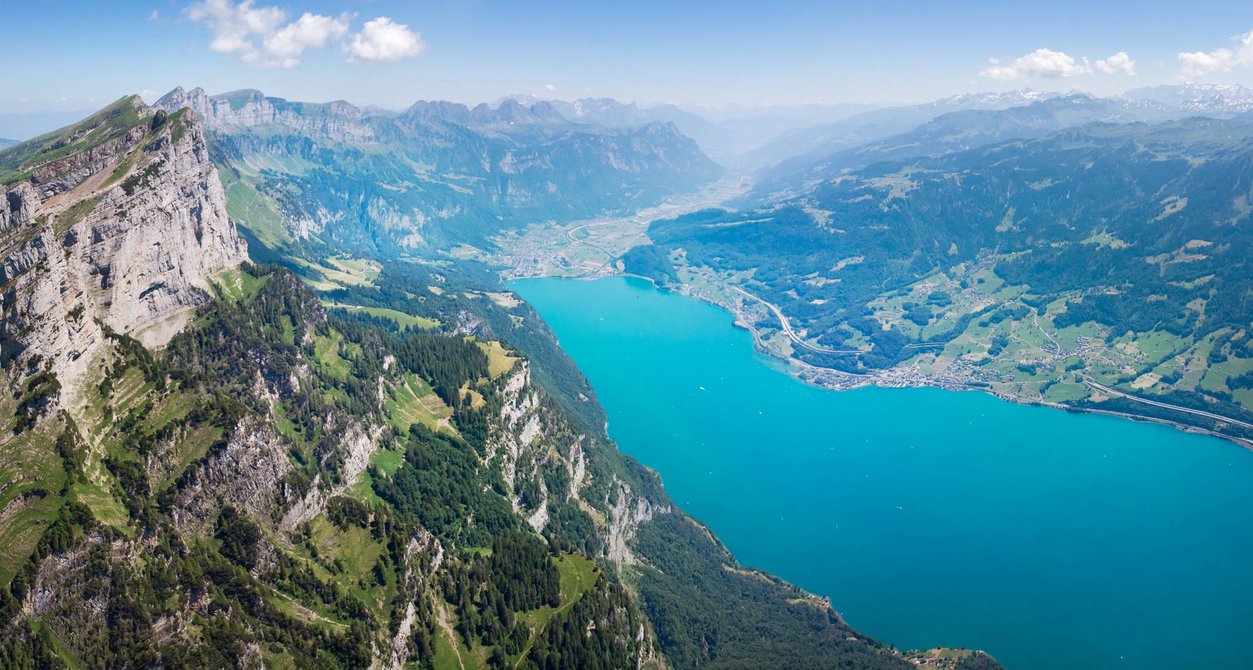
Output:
x=1051 y=540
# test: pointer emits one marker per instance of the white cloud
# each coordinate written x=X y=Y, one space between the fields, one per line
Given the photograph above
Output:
x=550 y=87
x=385 y=41
x=234 y=26
x=262 y=36
x=1049 y=64
x=1201 y=63
x=1116 y=64
x=310 y=31
x=1039 y=63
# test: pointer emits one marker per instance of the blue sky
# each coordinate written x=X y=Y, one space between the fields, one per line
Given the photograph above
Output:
x=79 y=54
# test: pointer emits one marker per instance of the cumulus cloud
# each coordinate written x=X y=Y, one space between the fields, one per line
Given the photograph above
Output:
x=385 y=41
x=1119 y=63
x=1049 y=64
x=310 y=31
x=1039 y=63
x=1201 y=63
x=550 y=87
x=235 y=27
x=263 y=36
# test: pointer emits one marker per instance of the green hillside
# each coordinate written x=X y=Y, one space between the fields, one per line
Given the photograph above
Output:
x=1111 y=254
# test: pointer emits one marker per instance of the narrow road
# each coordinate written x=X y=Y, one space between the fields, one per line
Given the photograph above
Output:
x=1209 y=415
x=787 y=328
x=573 y=241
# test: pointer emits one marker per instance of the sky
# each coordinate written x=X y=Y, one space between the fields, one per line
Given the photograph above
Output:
x=81 y=54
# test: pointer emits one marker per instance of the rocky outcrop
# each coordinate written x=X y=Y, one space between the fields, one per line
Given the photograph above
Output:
x=628 y=513
x=356 y=445
x=521 y=449
x=335 y=121
x=249 y=473
x=123 y=235
x=530 y=439
x=73 y=598
x=424 y=555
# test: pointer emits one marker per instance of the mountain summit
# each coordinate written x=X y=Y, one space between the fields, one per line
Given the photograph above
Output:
x=115 y=224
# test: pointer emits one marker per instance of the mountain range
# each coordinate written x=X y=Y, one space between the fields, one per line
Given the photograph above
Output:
x=211 y=463
x=436 y=175
x=965 y=122
x=761 y=138
x=1010 y=251
x=267 y=405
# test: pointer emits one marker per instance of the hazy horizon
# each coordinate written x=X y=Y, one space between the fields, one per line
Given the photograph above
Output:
x=26 y=124
x=389 y=54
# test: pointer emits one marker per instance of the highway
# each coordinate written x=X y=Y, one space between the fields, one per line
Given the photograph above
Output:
x=787 y=328
x=1209 y=415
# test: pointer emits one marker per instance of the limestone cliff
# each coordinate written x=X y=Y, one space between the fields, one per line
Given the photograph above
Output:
x=118 y=222
x=333 y=121
x=544 y=463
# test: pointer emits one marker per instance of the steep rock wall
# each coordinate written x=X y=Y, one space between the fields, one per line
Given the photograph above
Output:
x=125 y=235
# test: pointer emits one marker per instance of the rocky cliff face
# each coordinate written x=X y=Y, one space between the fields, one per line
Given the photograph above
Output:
x=533 y=445
x=123 y=234
x=333 y=121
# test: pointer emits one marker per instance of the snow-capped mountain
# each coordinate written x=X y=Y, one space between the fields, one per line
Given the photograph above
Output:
x=1194 y=98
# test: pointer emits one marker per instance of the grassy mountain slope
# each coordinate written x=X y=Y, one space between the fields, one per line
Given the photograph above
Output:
x=1106 y=254
x=109 y=124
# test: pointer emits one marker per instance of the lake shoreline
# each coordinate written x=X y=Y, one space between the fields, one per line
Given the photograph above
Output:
x=797 y=368
x=836 y=380
x=925 y=516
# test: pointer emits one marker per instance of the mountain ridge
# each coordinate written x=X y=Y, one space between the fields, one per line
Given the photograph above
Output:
x=367 y=476
x=971 y=126
x=436 y=175
x=85 y=222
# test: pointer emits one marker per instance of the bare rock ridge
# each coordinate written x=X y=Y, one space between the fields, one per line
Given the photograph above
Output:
x=341 y=121
x=118 y=223
x=337 y=121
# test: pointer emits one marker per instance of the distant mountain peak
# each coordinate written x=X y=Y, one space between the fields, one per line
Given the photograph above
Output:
x=1195 y=97
x=999 y=99
x=512 y=111
x=337 y=120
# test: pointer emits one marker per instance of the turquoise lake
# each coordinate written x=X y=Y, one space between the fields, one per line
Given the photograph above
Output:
x=1049 y=539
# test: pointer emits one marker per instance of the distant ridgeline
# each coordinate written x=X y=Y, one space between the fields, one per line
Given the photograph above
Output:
x=210 y=463
x=336 y=177
x=959 y=256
